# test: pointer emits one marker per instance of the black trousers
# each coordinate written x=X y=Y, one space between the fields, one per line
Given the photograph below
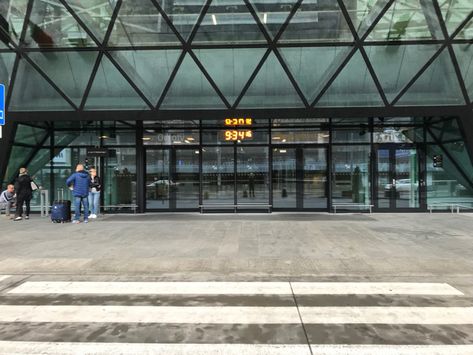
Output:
x=20 y=201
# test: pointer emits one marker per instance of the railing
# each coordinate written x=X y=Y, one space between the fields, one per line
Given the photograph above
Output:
x=453 y=207
x=360 y=206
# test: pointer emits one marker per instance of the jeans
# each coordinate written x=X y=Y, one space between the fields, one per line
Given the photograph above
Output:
x=77 y=204
x=94 y=202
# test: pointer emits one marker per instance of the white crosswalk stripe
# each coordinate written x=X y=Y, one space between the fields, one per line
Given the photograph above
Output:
x=238 y=288
x=4 y=277
x=229 y=310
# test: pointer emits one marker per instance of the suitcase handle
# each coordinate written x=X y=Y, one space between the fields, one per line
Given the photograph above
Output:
x=60 y=194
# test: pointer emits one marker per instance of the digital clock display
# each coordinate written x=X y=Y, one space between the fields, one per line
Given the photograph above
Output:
x=237 y=122
x=234 y=135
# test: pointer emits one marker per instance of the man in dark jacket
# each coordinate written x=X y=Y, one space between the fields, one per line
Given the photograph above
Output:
x=24 y=194
x=80 y=182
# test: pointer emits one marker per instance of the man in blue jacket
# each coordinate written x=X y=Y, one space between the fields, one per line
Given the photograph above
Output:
x=80 y=181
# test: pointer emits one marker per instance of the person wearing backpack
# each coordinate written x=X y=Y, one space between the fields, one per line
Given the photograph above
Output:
x=80 y=183
x=24 y=194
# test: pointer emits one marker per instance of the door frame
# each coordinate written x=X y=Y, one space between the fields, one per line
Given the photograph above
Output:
x=421 y=169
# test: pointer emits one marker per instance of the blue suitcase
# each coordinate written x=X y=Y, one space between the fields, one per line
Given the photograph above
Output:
x=61 y=210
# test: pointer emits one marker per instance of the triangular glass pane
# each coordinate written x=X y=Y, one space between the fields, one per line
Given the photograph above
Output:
x=110 y=90
x=70 y=71
x=230 y=68
x=454 y=13
x=364 y=12
x=190 y=89
x=318 y=21
x=438 y=85
x=12 y=23
x=271 y=88
x=32 y=92
x=466 y=32
x=228 y=24
x=183 y=14
x=407 y=20
x=139 y=23
x=464 y=54
x=396 y=65
x=354 y=86
x=312 y=67
x=273 y=13
x=6 y=65
x=149 y=70
x=94 y=14
x=52 y=26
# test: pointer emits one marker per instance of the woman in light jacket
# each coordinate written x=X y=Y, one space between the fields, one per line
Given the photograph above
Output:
x=94 y=194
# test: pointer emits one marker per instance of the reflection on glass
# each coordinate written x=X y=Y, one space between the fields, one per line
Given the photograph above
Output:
x=218 y=176
x=350 y=174
x=158 y=179
x=51 y=26
x=315 y=178
x=284 y=178
x=386 y=191
x=299 y=136
x=252 y=175
x=407 y=178
x=454 y=13
x=170 y=137
x=186 y=178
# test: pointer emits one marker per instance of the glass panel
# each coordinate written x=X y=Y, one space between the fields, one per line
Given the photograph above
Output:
x=438 y=85
x=351 y=135
x=140 y=64
x=63 y=164
x=70 y=71
x=466 y=32
x=464 y=54
x=300 y=122
x=445 y=184
x=364 y=12
x=315 y=178
x=252 y=175
x=33 y=93
x=120 y=179
x=6 y=65
x=110 y=90
x=29 y=135
x=318 y=21
x=299 y=136
x=40 y=172
x=354 y=86
x=230 y=68
x=18 y=156
x=218 y=177
x=95 y=14
x=284 y=178
x=158 y=179
x=396 y=135
x=350 y=174
x=139 y=23
x=113 y=137
x=271 y=88
x=408 y=20
x=52 y=26
x=454 y=13
x=386 y=190
x=190 y=89
x=183 y=14
x=12 y=23
x=273 y=13
x=187 y=178
x=228 y=21
x=312 y=67
x=171 y=137
x=395 y=66
x=407 y=178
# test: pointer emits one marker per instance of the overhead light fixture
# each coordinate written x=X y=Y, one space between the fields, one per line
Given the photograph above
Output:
x=282 y=151
x=265 y=17
x=185 y=140
x=196 y=152
x=284 y=141
x=146 y=138
x=214 y=19
x=190 y=139
x=104 y=137
x=276 y=138
x=177 y=142
x=326 y=135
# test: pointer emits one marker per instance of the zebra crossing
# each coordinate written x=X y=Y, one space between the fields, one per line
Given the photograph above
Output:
x=128 y=317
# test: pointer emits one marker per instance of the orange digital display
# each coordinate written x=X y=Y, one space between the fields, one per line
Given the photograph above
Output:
x=234 y=135
x=236 y=122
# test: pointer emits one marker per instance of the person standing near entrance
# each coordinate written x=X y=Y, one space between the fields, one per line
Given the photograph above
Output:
x=24 y=194
x=80 y=183
x=94 y=194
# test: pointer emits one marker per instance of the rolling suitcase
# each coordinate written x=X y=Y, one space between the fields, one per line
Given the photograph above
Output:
x=61 y=209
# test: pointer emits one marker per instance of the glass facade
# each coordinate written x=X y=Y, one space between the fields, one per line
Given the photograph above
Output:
x=353 y=101
x=391 y=163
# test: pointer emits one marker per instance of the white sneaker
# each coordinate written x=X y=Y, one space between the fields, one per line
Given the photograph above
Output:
x=18 y=219
x=93 y=216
